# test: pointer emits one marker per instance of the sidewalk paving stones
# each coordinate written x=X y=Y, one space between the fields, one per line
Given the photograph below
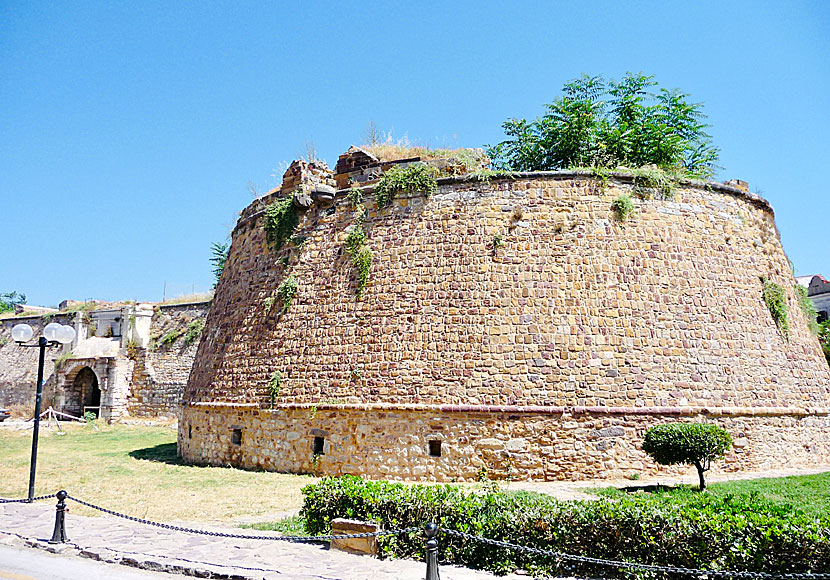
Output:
x=115 y=540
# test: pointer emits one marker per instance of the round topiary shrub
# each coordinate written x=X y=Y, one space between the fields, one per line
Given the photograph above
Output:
x=690 y=443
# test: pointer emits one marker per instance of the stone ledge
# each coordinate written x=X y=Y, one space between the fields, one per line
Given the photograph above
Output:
x=530 y=409
x=558 y=175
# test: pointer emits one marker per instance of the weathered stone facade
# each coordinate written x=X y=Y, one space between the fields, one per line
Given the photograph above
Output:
x=463 y=443
x=159 y=374
x=117 y=366
x=18 y=364
x=522 y=292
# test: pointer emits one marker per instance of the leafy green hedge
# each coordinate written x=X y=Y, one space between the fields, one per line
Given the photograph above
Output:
x=732 y=533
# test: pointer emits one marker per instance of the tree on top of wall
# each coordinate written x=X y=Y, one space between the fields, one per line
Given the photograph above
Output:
x=610 y=124
x=11 y=299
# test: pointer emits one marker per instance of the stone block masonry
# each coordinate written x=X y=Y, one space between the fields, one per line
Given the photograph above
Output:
x=657 y=317
x=464 y=444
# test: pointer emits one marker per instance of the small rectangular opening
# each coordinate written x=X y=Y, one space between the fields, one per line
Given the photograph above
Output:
x=318 y=445
x=435 y=447
x=190 y=431
x=236 y=437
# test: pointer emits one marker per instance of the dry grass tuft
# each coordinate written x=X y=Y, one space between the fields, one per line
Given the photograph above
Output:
x=185 y=298
x=470 y=159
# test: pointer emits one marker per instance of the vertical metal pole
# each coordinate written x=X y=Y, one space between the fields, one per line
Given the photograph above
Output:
x=59 y=535
x=432 y=551
x=41 y=342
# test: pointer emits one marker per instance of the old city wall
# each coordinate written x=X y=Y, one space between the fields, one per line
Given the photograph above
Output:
x=159 y=373
x=522 y=292
x=536 y=443
x=18 y=364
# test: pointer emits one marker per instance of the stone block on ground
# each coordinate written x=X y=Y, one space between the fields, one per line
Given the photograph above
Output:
x=368 y=545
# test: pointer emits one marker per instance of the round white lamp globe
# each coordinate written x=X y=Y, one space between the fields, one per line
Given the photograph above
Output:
x=51 y=331
x=66 y=334
x=22 y=332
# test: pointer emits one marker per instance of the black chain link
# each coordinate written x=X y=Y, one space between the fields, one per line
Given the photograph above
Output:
x=295 y=539
x=38 y=498
x=635 y=565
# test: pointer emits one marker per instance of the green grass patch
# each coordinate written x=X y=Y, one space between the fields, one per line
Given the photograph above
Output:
x=806 y=494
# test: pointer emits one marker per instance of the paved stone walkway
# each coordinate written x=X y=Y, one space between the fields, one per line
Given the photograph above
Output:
x=112 y=539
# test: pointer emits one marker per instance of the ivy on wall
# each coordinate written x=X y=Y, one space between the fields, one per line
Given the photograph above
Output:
x=281 y=219
x=775 y=298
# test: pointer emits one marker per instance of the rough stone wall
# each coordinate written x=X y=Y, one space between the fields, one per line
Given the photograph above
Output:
x=574 y=309
x=18 y=365
x=523 y=292
x=520 y=443
x=159 y=374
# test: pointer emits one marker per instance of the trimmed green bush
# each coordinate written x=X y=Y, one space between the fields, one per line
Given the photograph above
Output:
x=732 y=533
x=690 y=443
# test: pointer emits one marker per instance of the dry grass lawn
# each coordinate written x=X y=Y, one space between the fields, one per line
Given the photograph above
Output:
x=134 y=469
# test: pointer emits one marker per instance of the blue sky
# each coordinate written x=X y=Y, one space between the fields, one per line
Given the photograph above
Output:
x=133 y=129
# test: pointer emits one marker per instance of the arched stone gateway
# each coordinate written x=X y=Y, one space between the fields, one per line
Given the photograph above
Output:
x=86 y=383
x=511 y=327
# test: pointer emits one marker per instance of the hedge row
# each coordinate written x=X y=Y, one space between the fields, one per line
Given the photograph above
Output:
x=741 y=533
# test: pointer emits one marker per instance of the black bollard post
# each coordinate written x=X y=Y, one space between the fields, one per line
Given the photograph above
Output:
x=432 y=552
x=59 y=535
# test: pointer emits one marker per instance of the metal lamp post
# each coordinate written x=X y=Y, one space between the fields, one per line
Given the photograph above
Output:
x=53 y=334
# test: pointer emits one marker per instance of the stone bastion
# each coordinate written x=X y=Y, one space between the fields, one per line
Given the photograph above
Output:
x=510 y=326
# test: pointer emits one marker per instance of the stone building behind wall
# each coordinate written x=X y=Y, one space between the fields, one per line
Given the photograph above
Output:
x=128 y=360
x=510 y=325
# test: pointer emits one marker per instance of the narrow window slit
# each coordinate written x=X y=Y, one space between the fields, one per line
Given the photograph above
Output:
x=435 y=447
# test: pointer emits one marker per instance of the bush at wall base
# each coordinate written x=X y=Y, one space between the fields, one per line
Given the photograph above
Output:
x=733 y=533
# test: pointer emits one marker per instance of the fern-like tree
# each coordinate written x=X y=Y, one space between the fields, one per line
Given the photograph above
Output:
x=695 y=444
x=610 y=124
x=219 y=255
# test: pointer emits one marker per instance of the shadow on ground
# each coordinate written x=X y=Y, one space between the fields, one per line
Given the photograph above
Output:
x=164 y=453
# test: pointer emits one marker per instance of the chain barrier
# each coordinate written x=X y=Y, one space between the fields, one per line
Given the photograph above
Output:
x=26 y=500
x=432 y=546
x=636 y=565
x=293 y=539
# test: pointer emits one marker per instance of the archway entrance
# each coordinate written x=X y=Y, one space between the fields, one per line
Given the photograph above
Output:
x=86 y=383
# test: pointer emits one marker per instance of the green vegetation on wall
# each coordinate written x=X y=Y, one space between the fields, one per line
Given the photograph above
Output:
x=286 y=291
x=194 y=331
x=807 y=307
x=622 y=207
x=599 y=123
x=418 y=177
x=775 y=297
x=281 y=219
x=824 y=338
x=274 y=386
x=361 y=255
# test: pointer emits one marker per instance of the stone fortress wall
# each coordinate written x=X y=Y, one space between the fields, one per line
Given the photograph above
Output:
x=136 y=374
x=509 y=325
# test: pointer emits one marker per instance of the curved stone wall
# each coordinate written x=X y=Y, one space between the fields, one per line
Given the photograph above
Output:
x=522 y=292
